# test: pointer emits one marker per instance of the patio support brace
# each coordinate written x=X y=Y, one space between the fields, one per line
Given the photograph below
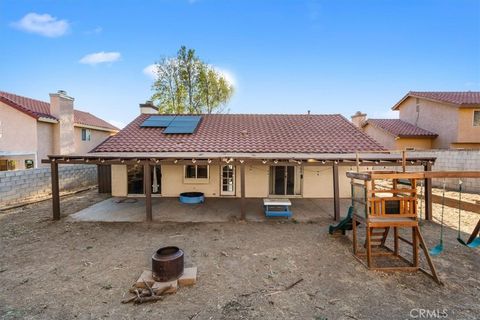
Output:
x=428 y=193
x=336 y=193
x=55 y=191
x=242 y=191
x=147 y=177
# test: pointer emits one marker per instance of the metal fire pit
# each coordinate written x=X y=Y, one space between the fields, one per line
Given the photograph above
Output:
x=167 y=264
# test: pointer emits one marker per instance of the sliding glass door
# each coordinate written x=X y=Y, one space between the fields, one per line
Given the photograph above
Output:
x=285 y=180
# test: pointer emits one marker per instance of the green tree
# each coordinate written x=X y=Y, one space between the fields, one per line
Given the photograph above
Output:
x=186 y=84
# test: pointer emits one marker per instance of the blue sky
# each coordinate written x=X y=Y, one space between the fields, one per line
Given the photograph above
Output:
x=283 y=56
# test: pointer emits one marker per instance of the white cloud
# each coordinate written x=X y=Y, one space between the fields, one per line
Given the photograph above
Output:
x=43 y=24
x=100 y=57
x=150 y=71
x=118 y=124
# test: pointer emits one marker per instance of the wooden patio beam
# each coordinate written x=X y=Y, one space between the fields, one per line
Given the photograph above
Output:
x=55 y=191
x=336 y=193
x=242 y=192
x=428 y=193
x=147 y=178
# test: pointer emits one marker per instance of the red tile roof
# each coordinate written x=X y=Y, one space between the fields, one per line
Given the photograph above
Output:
x=460 y=98
x=247 y=133
x=400 y=128
x=37 y=109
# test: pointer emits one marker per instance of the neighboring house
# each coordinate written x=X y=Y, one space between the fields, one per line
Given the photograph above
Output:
x=282 y=153
x=31 y=129
x=428 y=120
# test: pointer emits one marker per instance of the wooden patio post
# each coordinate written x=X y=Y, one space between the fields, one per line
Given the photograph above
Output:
x=428 y=193
x=242 y=191
x=55 y=190
x=336 y=193
x=147 y=178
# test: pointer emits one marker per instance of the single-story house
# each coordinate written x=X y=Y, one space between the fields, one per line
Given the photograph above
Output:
x=234 y=156
x=396 y=134
x=53 y=127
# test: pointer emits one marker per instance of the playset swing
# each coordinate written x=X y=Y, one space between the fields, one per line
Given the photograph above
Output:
x=473 y=241
x=435 y=251
x=385 y=200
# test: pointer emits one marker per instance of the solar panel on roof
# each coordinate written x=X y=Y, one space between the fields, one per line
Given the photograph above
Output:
x=173 y=124
x=183 y=124
x=170 y=130
x=157 y=121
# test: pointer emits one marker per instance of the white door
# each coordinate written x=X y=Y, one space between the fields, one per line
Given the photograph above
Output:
x=228 y=180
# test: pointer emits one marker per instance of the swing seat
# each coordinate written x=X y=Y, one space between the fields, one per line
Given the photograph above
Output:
x=474 y=244
x=435 y=251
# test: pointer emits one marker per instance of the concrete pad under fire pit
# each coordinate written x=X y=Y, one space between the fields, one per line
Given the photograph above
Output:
x=213 y=210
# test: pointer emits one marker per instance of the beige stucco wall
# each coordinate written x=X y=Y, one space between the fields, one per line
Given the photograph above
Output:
x=19 y=130
x=44 y=141
x=467 y=132
x=433 y=116
x=96 y=137
x=119 y=180
x=417 y=143
x=317 y=181
x=381 y=136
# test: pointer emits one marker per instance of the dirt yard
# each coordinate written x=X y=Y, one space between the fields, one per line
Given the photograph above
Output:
x=66 y=270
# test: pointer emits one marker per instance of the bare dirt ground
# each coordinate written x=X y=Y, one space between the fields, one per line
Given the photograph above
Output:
x=66 y=270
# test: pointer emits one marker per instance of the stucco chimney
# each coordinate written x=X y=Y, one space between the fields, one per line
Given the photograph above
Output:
x=148 y=108
x=359 y=118
x=61 y=107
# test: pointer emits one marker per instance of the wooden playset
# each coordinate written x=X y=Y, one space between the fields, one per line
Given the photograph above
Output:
x=386 y=200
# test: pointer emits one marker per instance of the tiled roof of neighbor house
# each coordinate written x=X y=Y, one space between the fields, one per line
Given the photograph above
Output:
x=247 y=133
x=37 y=109
x=400 y=128
x=460 y=98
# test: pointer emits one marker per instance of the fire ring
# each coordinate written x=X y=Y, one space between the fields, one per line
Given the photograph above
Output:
x=167 y=264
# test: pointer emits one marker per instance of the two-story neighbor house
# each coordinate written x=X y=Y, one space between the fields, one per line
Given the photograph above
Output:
x=428 y=120
x=31 y=129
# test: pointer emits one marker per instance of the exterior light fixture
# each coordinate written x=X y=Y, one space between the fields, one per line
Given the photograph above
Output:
x=122 y=161
x=264 y=161
x=336 y=161
x=157 y=161
x=209 y=161
x=323 y=161
x=175 y=161
x=299 y=161
x=102 y=161
x=138 y=161
x=275 y=161
x=193 y=160
x=242 y=161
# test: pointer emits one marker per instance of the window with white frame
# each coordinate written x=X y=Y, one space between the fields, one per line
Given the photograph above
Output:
x=86 y=134
x=476 y=118
x=196 y=171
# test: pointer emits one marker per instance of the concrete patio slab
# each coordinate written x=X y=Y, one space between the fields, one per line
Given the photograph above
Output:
x=213 y=210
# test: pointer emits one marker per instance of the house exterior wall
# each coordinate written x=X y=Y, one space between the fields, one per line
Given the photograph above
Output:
x=45 y=132
x=24 y=144
x=467 y=132
x=119 y=180
x=18 y=130
x=96 y=137
x=384 y=138
x=317 y=181
x=416 y=143
x=440 y=118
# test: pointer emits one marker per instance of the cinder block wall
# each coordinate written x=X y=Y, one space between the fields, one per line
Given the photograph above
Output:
x=25 y=185
x=454 y=160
